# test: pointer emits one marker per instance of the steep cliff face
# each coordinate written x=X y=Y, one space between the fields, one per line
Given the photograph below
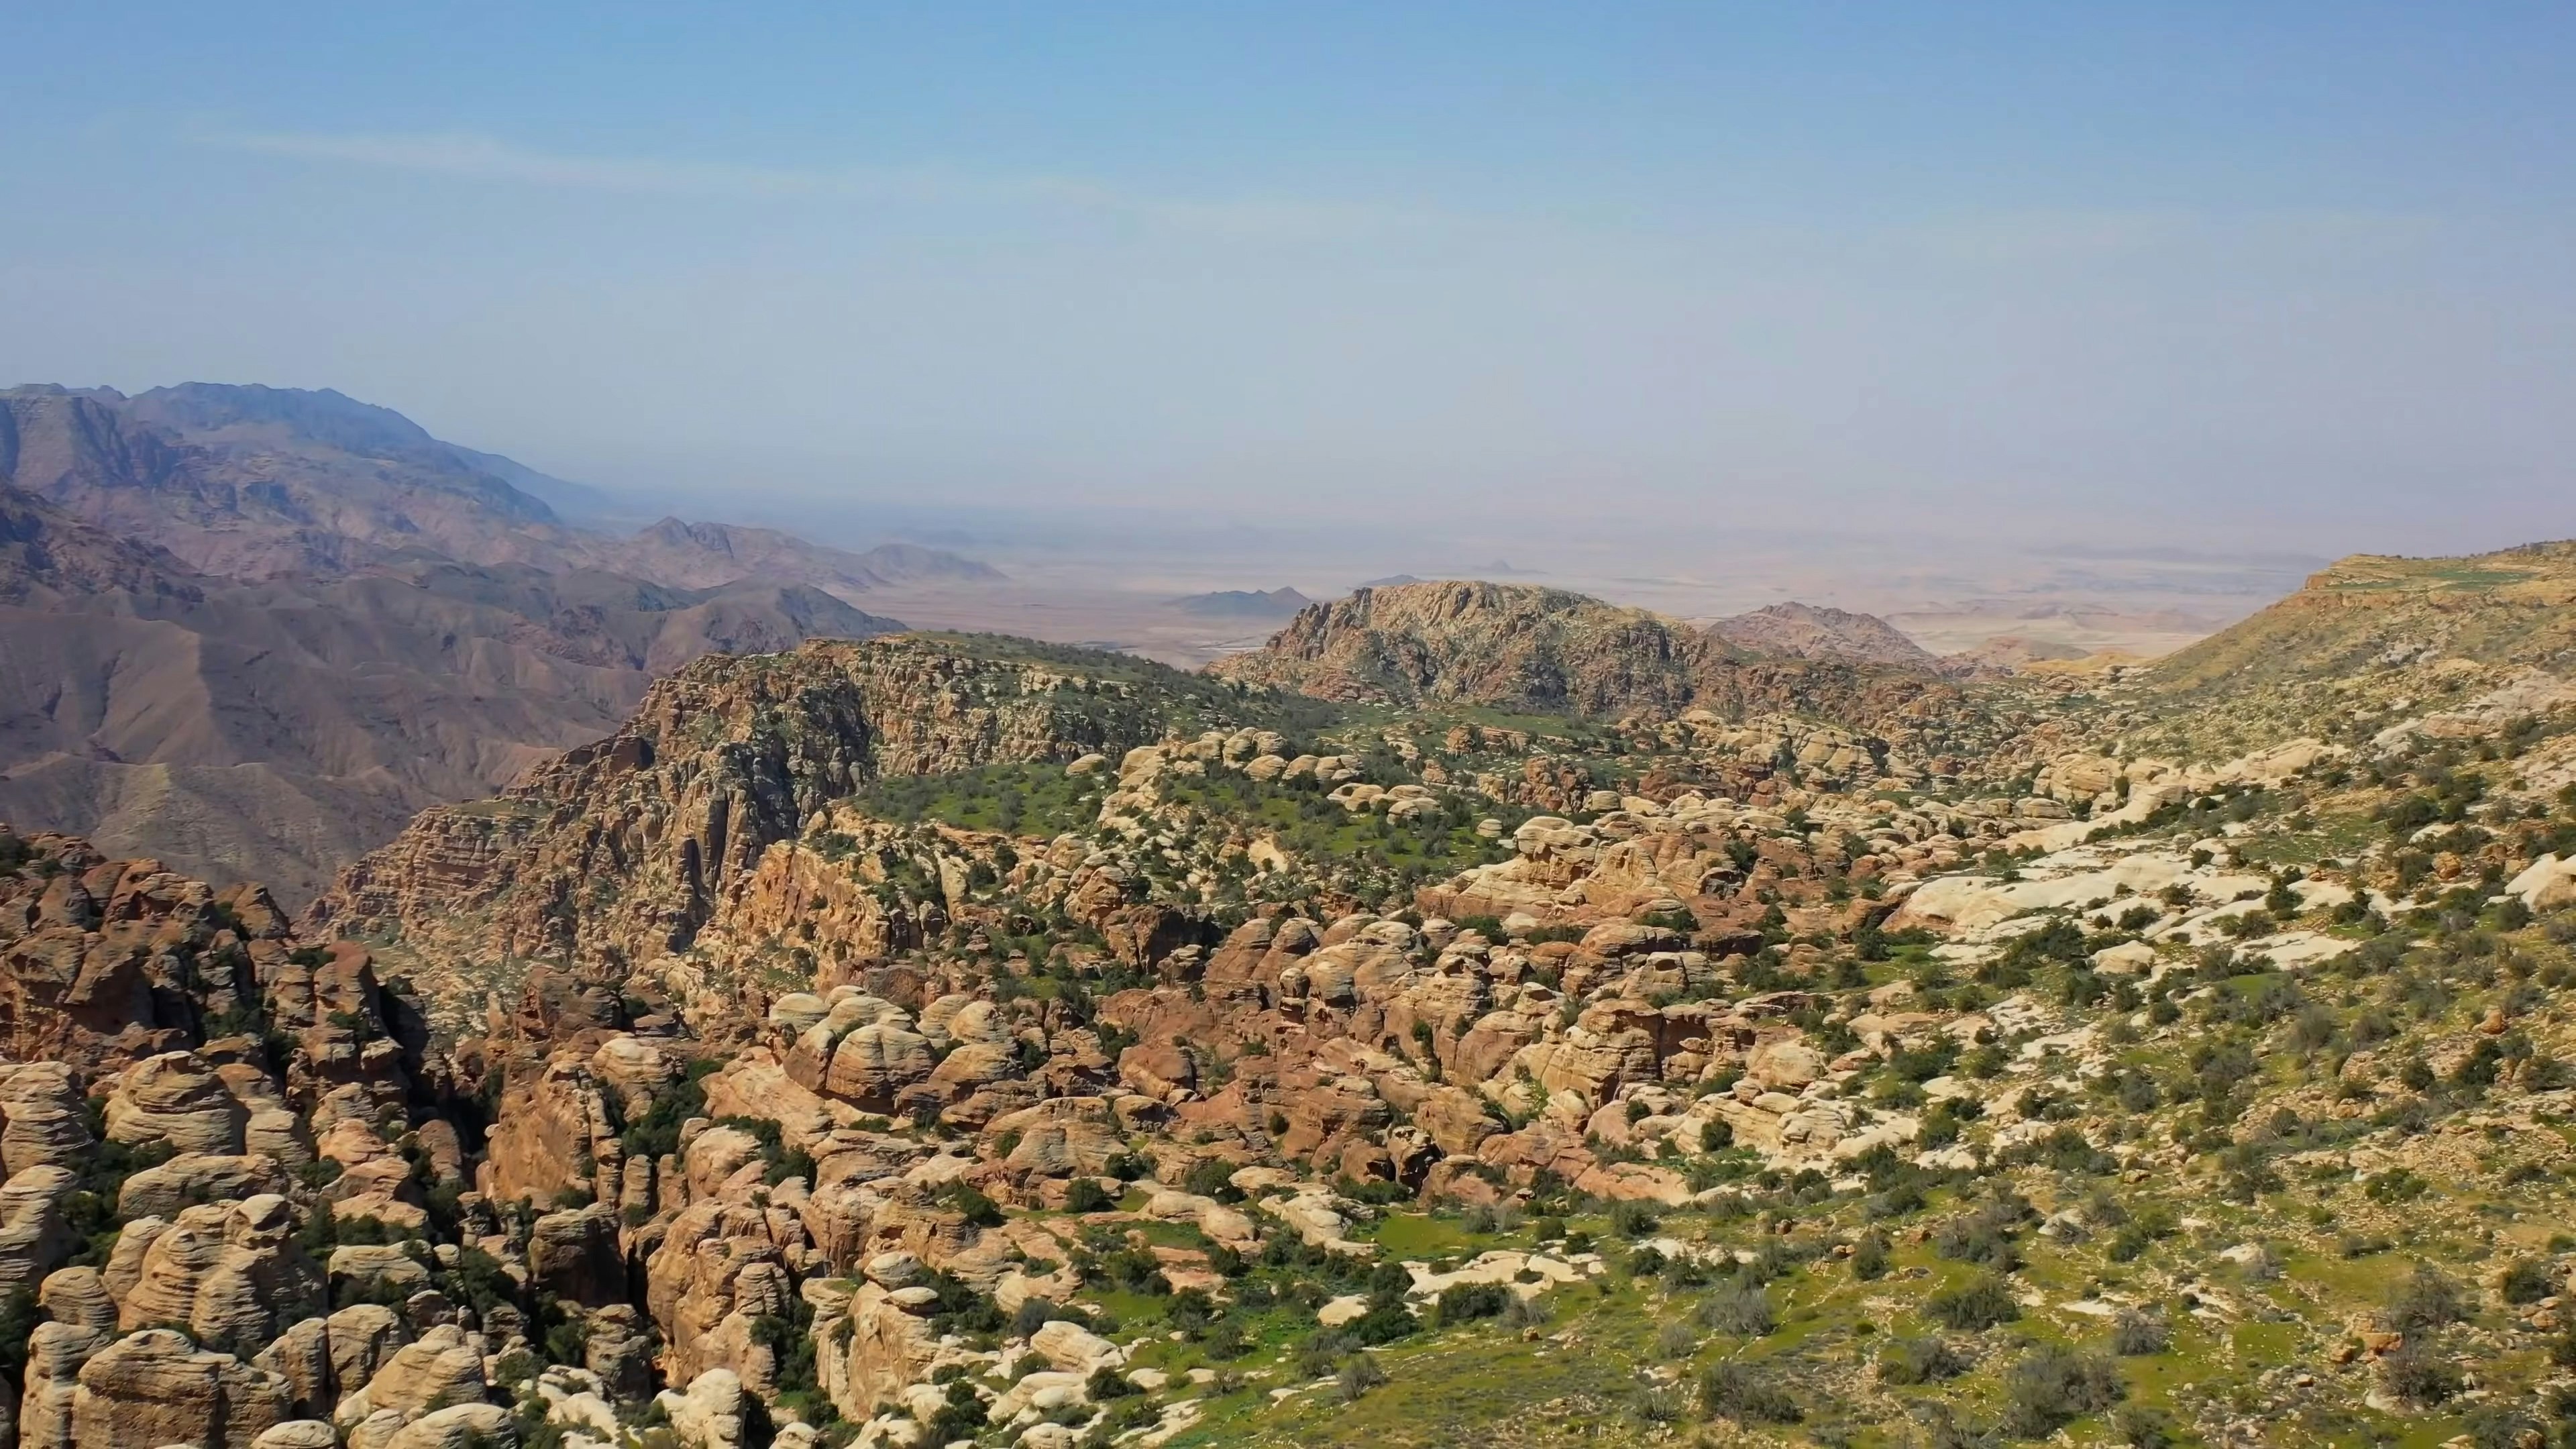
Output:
x=617 y=853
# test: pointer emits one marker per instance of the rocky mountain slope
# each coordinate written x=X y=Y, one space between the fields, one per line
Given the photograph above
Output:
x=252 y=482
x=943 y=1039
x=244 y=492
x=2368 y=645
x=274 y=730
x=617 y=853
x=703 y=555
x=2503 y=609
x=254 y=630
x=1520 y=646
x=1807 y=631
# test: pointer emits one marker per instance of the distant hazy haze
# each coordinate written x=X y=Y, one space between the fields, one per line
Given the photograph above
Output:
x=2190 y=276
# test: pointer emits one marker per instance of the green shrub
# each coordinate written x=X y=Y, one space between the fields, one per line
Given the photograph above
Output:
x=2416 y=1373
x=962 y=1196
x=1746 y=1394
x=1465 y=1302
x=2054 y=1385
x=1981 y=1303
x=1633 y=1220
x=1869 y=1257
x=2425 y=1299
x=1909 y=1361
x=1739 y=1308
x=2135 y=1334
x=2527 y=1280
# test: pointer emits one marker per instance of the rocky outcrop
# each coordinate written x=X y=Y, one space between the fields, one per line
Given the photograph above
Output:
x=229 y=1272
x=439 y=1369
x=154 y=1387
x=622 y=849
x=42 y=1120
x=80 y=1319
x=1519 y=646
x=1810 y=631
x=35 y=1228
x=104 y=962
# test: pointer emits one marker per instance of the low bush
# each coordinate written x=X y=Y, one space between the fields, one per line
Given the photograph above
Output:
x=2052 y=1386
x=2135 y=1334
x=1466 y=1302
x=1909 y=1361
x=1981 y=1303
x=2416 y=1373
x=1747 y=1395
x=1742 y=1309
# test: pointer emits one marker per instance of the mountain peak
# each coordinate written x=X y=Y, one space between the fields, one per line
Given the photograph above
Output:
x=1815 y=631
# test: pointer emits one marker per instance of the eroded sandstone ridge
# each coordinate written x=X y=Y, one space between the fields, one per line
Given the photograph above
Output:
x=616 y=854
x=1526 y=647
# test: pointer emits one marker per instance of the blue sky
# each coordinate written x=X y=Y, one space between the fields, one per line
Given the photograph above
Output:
x=2207 y=275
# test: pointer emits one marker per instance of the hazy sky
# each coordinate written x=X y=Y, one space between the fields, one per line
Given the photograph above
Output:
x=2225 y=275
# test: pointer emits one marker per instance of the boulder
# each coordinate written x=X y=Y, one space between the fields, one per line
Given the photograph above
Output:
x=574 y=1255
x=81 y=1321
x=376 y=1269
x=1073 y=1348
x=2129 y=958
x=459 y=1426
x=177 y=1100
x=618 y=1353
x=709 y=1415
x=34 y=1234
x=298 y=1434
x=231 y=1272
x=155 y=1387
x=1785 y=1066
x=199 y=1177
x=440 y=1367
x=41 y=1122
x=302 y=1356
x=2548 y=884
x=360 y=1338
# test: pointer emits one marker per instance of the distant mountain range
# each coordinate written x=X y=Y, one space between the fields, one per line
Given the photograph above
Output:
x=254 y=481
x=1244 y=604
x=252 y=631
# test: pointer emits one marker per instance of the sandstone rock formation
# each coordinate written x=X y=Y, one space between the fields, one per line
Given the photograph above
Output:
x=1524 y=647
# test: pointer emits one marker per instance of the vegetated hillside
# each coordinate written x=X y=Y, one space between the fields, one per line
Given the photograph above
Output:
x=274 y=730
x=948 y=1038
x=2367 y=613
x=2371 y=640
x=1807 y=631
